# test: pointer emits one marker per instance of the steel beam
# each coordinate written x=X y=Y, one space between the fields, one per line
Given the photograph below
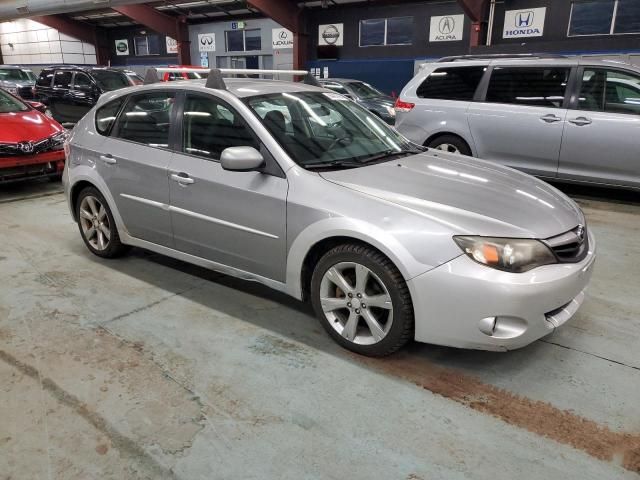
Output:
x=86 y=33
x=477 y=11
x=174 y=27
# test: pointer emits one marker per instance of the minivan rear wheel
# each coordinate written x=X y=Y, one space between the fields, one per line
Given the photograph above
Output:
x=362 y=300
x=450 y=144
x=97 y=226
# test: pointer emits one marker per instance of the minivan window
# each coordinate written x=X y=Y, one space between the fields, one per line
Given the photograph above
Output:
x=535 y=86
x=146 y=119
x=106 y=116
x=45 y=78
x=109 y=80
x=62 y=79
x=612 y=91
x=451 y=83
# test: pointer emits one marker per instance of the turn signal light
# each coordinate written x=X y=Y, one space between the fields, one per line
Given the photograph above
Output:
x=401 y=106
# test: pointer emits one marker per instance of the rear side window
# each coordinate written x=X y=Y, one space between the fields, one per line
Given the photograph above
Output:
x=611 y=91
x=44 y=80
x=451 y=83
x=106 y=116
x=146 y=118
x=62 y=79
x=539 y=87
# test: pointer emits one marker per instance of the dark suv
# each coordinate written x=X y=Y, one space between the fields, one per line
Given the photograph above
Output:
x=69 y=92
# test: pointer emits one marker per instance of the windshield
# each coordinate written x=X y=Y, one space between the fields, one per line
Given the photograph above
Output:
x=108 y=80
x=135 y=78
x=10 y=104
x=325 y=129
x=16 y=75
x=364 y=90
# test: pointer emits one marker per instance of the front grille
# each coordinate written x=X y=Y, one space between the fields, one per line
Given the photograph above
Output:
x=26 y=148
x=25 y=93
x=570 y=247
x=27 y=171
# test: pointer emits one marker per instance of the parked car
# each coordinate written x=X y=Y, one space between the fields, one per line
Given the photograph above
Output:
x=568 y=119
x=389 y=242
x=134 y=78
x=17 y=81
x=31 y=144
x=365 y=95
x=173 y=76
x=69 y=92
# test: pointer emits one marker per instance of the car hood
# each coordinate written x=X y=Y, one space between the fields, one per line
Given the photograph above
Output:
x=27 y=126
x=467 y=195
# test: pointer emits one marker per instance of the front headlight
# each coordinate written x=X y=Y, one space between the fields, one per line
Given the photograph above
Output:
x=514 y=255
x=57 y=140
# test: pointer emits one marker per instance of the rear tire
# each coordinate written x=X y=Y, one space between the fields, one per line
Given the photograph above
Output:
x=362 y=300
x=450 y=144
x=97 y=226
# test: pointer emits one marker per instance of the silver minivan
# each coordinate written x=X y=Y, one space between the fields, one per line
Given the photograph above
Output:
x=568 y=119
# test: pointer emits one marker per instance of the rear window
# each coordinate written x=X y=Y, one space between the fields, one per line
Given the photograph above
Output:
x=535 y=86
x=451 y=83
x=108 y=80
x=45 y=78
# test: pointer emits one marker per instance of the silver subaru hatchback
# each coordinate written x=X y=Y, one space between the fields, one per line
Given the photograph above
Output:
x=301 y=189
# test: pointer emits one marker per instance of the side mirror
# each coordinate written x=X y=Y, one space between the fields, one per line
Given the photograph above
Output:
x=41 y=107
x=241 y=159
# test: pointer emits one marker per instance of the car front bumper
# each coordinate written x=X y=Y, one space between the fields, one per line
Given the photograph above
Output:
x=468 y=305
x=44 y=164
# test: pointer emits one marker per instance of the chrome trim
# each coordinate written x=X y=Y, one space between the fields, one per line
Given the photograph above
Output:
x=146 y=201
x=206 y=218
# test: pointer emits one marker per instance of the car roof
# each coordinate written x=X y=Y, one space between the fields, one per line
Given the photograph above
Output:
x=340 y=80
x=556 y=61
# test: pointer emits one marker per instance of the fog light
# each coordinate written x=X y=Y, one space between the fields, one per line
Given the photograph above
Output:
x=487 y=325
x=502 y=327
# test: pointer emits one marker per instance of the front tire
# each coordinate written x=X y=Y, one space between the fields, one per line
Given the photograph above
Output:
x=97 y=226
x=362 y=300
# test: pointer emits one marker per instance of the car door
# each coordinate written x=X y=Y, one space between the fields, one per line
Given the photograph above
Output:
x=133 y=162
x=81 y=95
x=520 y=120
x=237 y=219
x=59 y=101
x=600 y=141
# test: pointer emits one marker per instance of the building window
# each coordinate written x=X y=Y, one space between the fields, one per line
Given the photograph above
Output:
x=386 y=31
x=604 y=17
x=243 y=40
x=146 y=45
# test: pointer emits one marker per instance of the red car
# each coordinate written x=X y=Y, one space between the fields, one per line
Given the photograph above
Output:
x=31 y=144
x=171 y=76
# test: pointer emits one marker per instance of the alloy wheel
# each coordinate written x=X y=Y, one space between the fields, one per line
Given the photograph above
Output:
x=447 y=147
x=356 y=303
x=95 y=223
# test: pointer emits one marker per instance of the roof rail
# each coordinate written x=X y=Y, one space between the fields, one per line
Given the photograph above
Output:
x=494 y=56
x=215 y=77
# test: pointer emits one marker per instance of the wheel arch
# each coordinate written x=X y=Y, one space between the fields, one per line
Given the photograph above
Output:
x=436 y=135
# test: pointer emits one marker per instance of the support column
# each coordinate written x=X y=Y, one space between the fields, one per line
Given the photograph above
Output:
x=477 y=11
x=86 y=33
x=173 y=27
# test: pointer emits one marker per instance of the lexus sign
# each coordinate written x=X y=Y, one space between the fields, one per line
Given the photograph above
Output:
x=332 y=34
x=281 y=38
x=524 y=23
x=207 y=42
x=446 y=28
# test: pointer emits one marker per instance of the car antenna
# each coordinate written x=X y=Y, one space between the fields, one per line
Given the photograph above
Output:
x=215 y=80
x=151 y=76
x=311 y=80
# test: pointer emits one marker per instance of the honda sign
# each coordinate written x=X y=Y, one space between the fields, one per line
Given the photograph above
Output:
x=524 y=23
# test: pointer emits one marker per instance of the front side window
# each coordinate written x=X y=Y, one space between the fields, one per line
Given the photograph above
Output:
x=106 y=116
x=604 y=17
x=609 y=91
x=539 y=87
x=10 y=104
x=386 y=31
x=109 y=80
x=209 y=126
x=62 y=79
x=451 y=83
x=146 y=119
x=322 y=130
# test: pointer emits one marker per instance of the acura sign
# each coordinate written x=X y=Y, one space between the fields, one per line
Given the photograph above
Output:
x=331 y=34
x=446 y=28
x=524 y=23
x=207 y=42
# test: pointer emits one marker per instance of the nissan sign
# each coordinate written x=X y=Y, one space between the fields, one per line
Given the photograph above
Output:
x=524 y=23
x=281 y=38
x=207 y=42
x=331 y=34
x=446 y=28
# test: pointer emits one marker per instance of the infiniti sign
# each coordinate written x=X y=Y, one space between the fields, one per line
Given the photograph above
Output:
x=524 y=23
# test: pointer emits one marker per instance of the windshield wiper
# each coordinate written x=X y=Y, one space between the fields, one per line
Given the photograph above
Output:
x=332 y=164
x=387 y=154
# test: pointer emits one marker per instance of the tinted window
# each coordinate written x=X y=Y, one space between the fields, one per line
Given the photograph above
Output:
x=386 y=31
x=44 y=80
x=451 y=83
x=109 y=80
x=628 y=16
x=609 y=91
x=591 y=17
x=399 y=31
x=81 y=80
x=364 y=90
x=253 y=41
x=209 y=126
x=542 y=87
x=372 y=32
x=235 y=41
x=62 y=79
x=106 y=116
x=145 y=119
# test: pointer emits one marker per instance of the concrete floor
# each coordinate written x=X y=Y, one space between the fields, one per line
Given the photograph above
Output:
x=145 y=367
